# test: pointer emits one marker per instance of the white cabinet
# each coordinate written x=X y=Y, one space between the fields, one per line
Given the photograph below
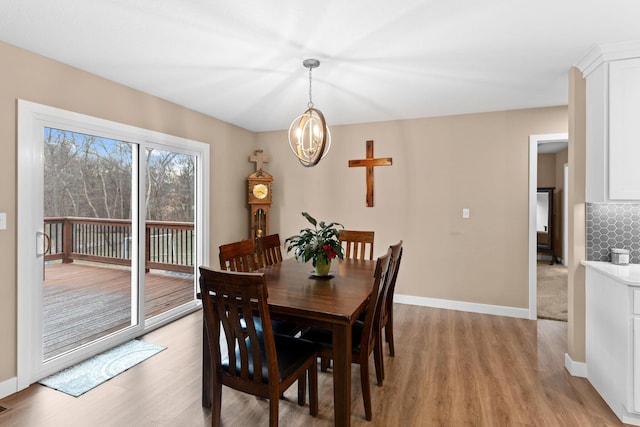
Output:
x=613 y=343
x=624 y=129
x=613 y=131
x=636 y=362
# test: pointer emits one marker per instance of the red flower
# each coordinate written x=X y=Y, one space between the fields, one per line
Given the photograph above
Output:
x=329 y=249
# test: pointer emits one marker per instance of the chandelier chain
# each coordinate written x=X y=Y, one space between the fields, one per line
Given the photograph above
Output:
x=310 y=104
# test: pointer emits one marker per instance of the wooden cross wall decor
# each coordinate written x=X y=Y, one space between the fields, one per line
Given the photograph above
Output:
x=369 y=163
x=259 y=158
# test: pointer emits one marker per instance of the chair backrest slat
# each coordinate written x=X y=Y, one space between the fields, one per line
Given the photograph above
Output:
x=239 y=256
x=269 y=249
x=355 y=243
x=372 y=317
x=394 y=267
x=232 y=299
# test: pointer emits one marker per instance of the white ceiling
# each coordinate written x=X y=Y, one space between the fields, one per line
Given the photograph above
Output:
x=241 y=61
x=552 y=147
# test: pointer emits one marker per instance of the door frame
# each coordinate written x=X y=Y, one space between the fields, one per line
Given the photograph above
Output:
x=31 y=116
x=534 y=140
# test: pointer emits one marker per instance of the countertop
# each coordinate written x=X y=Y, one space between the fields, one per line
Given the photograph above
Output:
x=626 y=274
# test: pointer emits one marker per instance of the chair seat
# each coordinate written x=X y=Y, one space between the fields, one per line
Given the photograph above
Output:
x=284 y=328
x=324 y=337
x=278 y=326
x=291 y=353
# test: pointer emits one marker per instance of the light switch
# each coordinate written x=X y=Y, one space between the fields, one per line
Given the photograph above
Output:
x=3 y=220
x=465 y=213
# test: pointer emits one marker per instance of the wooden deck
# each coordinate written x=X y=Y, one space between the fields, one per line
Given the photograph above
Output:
x=82 y=302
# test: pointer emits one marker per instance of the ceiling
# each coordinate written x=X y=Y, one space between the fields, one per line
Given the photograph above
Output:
x=241 y=61
x=552 y=147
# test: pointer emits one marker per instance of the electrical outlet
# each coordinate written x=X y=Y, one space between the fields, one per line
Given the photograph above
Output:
x=3 y=221
x=465 y=213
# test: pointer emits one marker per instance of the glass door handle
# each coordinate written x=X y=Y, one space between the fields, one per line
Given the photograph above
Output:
x=44 y=238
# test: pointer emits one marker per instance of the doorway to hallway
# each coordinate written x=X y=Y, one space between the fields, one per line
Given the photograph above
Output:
x=546 y=145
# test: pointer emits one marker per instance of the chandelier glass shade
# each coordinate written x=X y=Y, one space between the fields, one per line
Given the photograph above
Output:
x=309 y=135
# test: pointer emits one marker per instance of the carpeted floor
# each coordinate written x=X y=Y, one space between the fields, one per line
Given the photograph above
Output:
x=552 y=291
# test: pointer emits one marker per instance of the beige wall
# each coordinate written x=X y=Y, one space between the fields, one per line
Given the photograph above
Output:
x=440 y=166
x=550 y=169
x=561 y=158
x=31 y=77
x=577 y=174
x=546 y=170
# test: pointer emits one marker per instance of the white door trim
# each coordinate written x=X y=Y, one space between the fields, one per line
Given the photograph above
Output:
x=28 y=298
x=534 y=140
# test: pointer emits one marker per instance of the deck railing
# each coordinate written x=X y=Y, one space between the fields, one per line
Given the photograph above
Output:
x=169 y=245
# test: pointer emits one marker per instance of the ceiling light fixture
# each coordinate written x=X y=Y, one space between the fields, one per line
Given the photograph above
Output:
x=309 y=136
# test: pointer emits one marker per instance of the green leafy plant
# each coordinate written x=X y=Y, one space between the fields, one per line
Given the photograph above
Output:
x=315 y=243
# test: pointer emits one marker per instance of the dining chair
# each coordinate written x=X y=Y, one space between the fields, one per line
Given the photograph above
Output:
x=242 y=257
x=239 y=256
x=257 y=361
x=386 y=314
x=364 y=334
x=356 y=243
x=269 y=249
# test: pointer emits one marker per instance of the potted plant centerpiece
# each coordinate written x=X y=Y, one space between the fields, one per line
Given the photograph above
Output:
x=319 y=244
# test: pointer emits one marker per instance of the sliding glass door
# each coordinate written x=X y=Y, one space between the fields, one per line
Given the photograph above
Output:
x=117 y=217
x=169 y=233
x=90 y=284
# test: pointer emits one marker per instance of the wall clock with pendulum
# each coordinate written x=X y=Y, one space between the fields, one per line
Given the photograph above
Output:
x=259 y=196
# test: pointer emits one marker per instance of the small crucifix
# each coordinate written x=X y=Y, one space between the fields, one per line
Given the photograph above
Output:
x=370 y=162
x=259 y=158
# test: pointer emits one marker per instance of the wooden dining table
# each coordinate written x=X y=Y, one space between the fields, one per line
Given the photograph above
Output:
x=332 y=303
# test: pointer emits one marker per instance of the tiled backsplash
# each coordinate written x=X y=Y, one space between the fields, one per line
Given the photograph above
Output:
x=612 y=226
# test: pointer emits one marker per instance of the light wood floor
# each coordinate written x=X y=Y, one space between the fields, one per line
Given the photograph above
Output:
x=451 y=369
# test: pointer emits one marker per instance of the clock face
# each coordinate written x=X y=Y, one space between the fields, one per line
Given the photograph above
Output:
x=260 y=191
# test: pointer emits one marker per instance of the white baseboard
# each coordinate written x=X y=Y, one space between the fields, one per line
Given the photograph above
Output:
x=8 y=387
x=577 y=369
x=630 y=418
x=498 y=310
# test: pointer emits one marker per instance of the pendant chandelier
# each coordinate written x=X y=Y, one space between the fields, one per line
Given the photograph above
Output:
x=309 y=136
